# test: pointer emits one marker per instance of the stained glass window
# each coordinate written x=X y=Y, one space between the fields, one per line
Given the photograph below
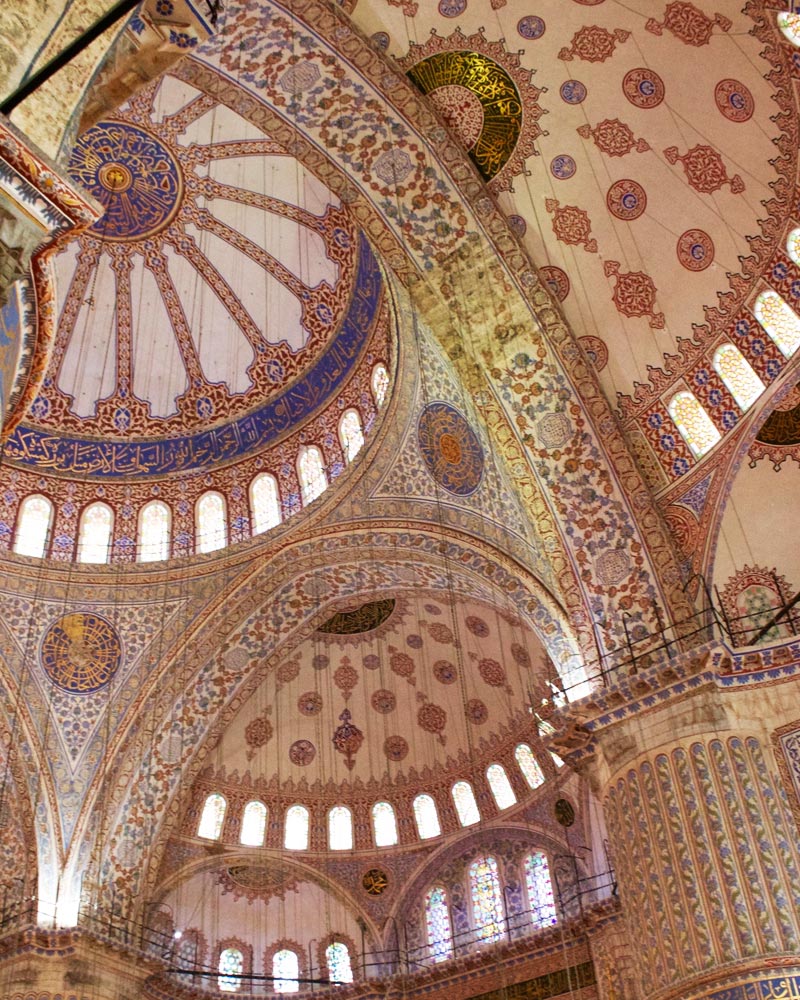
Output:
x=466 y=806
x=384 y=825
x=187 y=956
x=154 y=532
x=254 y=823
x=212 y=818
x=742 y=382
x=695 y=425
x=351 y=434
x=265 y=503
x=779 y=320
x=295 y=834
x=231 y=966
x=487 y=899
x=285 y=971
x=500 y=785
x=33 y=526
x=94 y=537
x=338 y=958
x=437 y=922
x=211 y=533
x=529 y=765
x=380 y=384
x=427 y=817
x=340 y=829
x=540 y=890
x=790 y=25
x=793 y=246
x=311 y=470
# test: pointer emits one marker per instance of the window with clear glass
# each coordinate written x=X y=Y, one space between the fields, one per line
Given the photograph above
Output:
x=500 y=785
x=380 y=384
x=487 y=899
x=466 y=806
x=33 y=526
x=437 y=922
x=793 y=246
x=295 y=834
x=231 y=967
x=94 y=535
x=154 y=522
x=737 y=374
x=529 y=765
x=340 y=829
x=254 y=824
x=212 y=817
x=338 y=958
x=211 y=523
x=265 y=503
x=789 y=24
x=540 y=890
x=556 y=759
x=285 y=971
x=780 y=322
x=384 y=824
x=350 y=434
x=695 y=425
x=427 y=817
x=311 y=470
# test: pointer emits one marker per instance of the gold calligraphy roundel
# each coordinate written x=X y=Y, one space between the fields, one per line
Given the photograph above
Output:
x=375 y=882
x=81 y=652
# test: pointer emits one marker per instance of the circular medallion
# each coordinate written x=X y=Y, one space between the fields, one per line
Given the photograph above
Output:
x=531 y=27
x=695 y=250
x=450 y=449
x=517 y=225
x=596 y=351
x=476 y=711
x=573 y=92
x=133 y=174
x=302 y=752
x=81 y=652
x=563 y=167
x=626 y=200
x=734 y=100
x=564 y=812
x=310 y=703
x=452 y=8
x=395 y=748
x=375 y=882
x=445 y=672
x=556 y=280
x=383 y=701
x=643 y=87
x=381 y=39
x=462 y=111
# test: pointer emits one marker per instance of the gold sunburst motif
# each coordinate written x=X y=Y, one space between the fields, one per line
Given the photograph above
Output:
x=81 y=652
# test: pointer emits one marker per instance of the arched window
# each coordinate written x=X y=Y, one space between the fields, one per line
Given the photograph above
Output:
x=380 y=384
x=295 y=834
x=33 y=526
x=742 y=382
x=154 y=522
x=211 y=524
x=384 y=825
x=231 y=967
x=793 y=246
x=540 y=890
x=790 y=25
x=94 y=536
x=437 y=922
x=350 y=434
x=338 y=958
x=466 y=806
x=187 y=955
x=500 y=785
x=695 y=425
x=427 y=817
x=311 y=470
x=212 y=818
x=487 y=899
x=254 y=823
x=779 y=320
x=265 y=503
x=285 y=971
x=340 y=829
x=529 y=765
x=556 y=759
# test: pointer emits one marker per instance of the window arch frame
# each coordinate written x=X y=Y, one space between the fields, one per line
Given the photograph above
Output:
x=426 y=797
x=791 y=29
x=18 y=524
x=539 y=773
x=263 y=823
x=503 y=778
x=81 y=542
x=438 y=954
x=307 y=494
x=294 y=809
x=395 y=838
x=378 y=395
x=699 y=449
x=219 y=823
x=748 y=372
x=333 y=828
x=352 y=955
x=200 y=546
x=791 y=315
x=535 y=905
x=467 y=812
x=286 y=944
x=140 y=552
x=245 y=950
x=349 y=452
x=263 y=477
x=490 y=931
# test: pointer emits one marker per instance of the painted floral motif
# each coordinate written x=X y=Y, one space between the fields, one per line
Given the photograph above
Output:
x=309 y=703
x=688 y=23
x=596 y=351
x=257 y=734
x=626 y=199
x=643 y=87
x=433 y=719
x=695 y=250
x=445 y=672
x=613 y=137
x=571 y=225
x=345 y=677
x=476 y=711
x=440 y=632
x=492 y=672
x=594 y=44
x=477 y=626
x=734 y=100
x=634 y=294
x=395 y=748
x=704 y=169
x=302 y=752
x=383 y=701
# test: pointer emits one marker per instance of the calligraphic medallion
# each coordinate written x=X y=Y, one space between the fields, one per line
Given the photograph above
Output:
x=375 y=882
x=564 y=812
x=81 y=652
x=365 y=618
x=133 y=174
x=450 y=448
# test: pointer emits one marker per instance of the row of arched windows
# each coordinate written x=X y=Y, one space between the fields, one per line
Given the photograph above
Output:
x=384 y=820
x=96 y=525
x=285 y=968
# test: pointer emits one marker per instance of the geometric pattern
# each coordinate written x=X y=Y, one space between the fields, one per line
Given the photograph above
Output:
x=81 y=652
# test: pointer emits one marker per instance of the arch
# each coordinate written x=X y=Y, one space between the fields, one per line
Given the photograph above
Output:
x=488 y=911
x=789 y=24
x=539 y=885
x=380 y=384
x=230 y=968
x=285 y=971
x=254 y=824
x=94 y=534
x=34 y=522
x=695 y=426
x=426 y=816
x=340 y=829
x=154 y=532
x=384 y=824
x=500 y=785
x=438 y=924
x=780 y=322
x=296 y=827
x=211 y=522
x=466 y=806
x=337 y=959
x=529 y=765
x=212 y=817
x=190 y=953
x=311 y=472
x=737 y=374
x=265 y=503
x=351 y=433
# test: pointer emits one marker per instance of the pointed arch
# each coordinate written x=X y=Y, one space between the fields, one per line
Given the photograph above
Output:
x=94 y=533
x=265 y=503
x=384 y=824
x=212 y=817
x=426 y=816
x=351 y=433
x=254 y=824
x=211 y=522
x=154 y=532
x=466 y=806
x=500 y=785
x=34 y=524
x=695 y=426
x=311 y=472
